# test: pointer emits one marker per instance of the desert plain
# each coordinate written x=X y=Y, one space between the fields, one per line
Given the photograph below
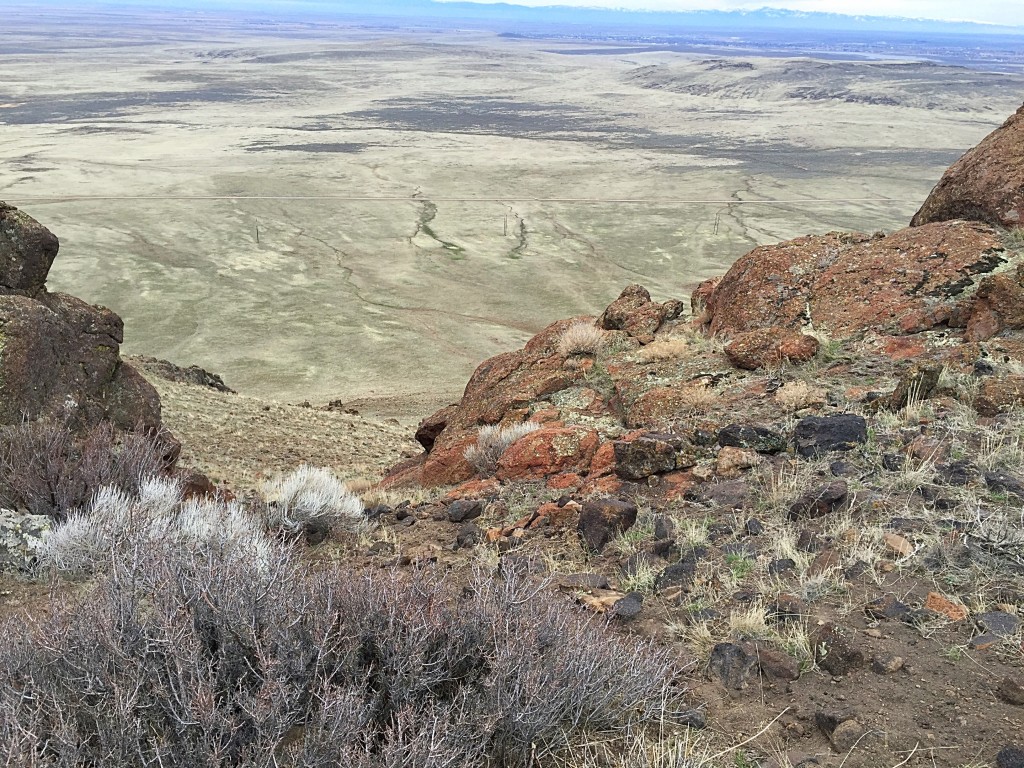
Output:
x=360 y=212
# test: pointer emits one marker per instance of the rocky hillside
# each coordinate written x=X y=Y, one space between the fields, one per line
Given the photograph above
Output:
x=806 y=484
x=810 y=483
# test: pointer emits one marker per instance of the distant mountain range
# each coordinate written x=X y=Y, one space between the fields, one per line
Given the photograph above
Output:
x=512 y=14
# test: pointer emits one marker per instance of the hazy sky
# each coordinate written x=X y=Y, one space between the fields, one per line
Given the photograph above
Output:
x=1010 y=12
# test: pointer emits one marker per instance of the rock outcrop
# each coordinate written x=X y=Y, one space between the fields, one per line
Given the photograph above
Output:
x=986 y=184
x=59 y=356
x=845 y=284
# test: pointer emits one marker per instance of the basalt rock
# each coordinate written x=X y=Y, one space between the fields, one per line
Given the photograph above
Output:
x=850 y=283
x=59 y=356
x=986 y=184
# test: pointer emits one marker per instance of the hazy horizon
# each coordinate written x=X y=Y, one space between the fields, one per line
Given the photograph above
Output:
x=1003 y=13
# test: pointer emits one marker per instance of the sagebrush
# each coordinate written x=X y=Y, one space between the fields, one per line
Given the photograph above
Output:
x=197 y=657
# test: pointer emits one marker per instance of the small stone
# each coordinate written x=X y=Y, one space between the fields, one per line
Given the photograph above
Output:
x=819 y=501
x=582 y=581
x=628 y=607
x=943 y=605
x=777 y=664
x=1010 y=757
x=782 y=565
x=681 y=573
x=817 y=435
x=461 y=511
x=898 y=545
x=664 y=527
x=692 y=718
x=846 y=736
x=752 y=437
x=603 y=519
x=999 y=623
x=828 y=720
x=1011 y=690
x=886 y=664
x=468 y=536
x=753 y=527
x=731 y=462
x=983 y=642
x=786 y=608
x=733 y=665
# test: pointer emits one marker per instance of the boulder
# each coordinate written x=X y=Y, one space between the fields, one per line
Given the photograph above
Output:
x=770 y=347
x=999 y=394
x=548 y=451
x=635 y=313
x=846 y=284
x=997 y=306
x=820 y=501
x=986 y=184
x=59 y=356
x=27 y=251
x=602 y=520
x=752 y=437
x=643 y=457
x=816 y=435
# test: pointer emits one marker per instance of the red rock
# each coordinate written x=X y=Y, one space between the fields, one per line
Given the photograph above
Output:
x=474 y=489
x=446 y=464
x=565 y=482
x=766 y=347
x=635 y=313
x=998 y=305
x=998 y=395
x=847 y=283
x=902 y=347
x=548 y=451
x=604 y=460
x=986 y=184
x=945 y=606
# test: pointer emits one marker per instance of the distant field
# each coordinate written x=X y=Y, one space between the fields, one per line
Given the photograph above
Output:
x=425 y=200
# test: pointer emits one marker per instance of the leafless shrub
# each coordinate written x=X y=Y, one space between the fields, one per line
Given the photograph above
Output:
x=48 y=470
x=309 y=500
x=493 y=440
x=202 y=658
x=581 y=338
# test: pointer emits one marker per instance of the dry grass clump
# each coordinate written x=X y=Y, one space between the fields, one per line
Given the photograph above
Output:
x=493 y=440
x=665 y=348
x=696 y=398
x=195 y=657
x=581 y=339
x=797 y=395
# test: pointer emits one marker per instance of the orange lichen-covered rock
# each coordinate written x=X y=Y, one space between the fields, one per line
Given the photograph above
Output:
x=986 y=184
x=848 y=283
x=548 y=451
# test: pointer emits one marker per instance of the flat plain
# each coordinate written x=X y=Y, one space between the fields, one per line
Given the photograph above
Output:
x=346 y=211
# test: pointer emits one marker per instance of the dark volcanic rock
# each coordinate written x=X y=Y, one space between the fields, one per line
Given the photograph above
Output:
x=462 y=510
x=60 y=360
x=816 y=435
x=642 y=457
x=1010 y=757
x=602 y=520
x=819 y=501
x=27 y=251
x=986 y=184
x=752 y=437
x=834 y=649
x=733 y=665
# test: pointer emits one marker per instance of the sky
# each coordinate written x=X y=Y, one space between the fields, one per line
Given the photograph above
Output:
x=1006 y=12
